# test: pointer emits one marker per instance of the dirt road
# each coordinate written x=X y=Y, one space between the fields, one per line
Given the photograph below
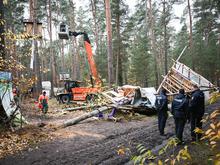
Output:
x=96 y=142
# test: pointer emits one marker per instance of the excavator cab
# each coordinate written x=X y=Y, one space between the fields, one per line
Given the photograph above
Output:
x=63 y=31
x=69 y=84
x=67 y=94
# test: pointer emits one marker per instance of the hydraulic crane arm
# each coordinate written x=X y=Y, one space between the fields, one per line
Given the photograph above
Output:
x=91 y=61
x=64 y=33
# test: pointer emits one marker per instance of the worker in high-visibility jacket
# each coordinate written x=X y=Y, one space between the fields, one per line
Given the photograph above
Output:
x=43 y=102
x=16 y=95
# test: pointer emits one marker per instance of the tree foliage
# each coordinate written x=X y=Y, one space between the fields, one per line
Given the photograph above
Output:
x=133 y=55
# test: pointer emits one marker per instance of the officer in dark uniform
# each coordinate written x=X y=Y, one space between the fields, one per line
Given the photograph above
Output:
x=197 y=110
x=162 y=108
x=179 y=109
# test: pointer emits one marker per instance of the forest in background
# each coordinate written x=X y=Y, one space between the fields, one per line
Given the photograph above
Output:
x=143 y=43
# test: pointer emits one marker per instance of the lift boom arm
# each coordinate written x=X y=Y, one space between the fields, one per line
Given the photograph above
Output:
x=91 y=61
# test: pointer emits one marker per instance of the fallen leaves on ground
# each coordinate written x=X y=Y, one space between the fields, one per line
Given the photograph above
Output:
x=25 y=138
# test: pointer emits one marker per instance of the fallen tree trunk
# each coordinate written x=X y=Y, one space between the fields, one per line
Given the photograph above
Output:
x=86 y=116
x=78 y=108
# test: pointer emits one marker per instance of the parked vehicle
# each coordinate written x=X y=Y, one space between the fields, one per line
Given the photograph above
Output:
x=73 y=91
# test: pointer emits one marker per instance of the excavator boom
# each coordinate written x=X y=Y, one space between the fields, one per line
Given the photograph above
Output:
x=75 y=92
x=91 y=61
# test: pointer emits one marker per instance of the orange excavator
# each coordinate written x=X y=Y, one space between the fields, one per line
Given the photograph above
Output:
x=73 y=91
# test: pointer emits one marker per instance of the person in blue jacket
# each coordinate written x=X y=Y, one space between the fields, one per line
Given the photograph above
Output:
x=179 y=109
x=162 y=108
x=197 y=110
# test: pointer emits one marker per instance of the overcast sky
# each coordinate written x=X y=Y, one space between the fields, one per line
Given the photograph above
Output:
x=178 y=10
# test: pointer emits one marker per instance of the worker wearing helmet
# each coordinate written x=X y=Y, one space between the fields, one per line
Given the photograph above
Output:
x=43 y=102
x=15 y=95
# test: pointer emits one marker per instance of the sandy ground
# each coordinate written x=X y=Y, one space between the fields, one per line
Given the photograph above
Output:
x=91 y=141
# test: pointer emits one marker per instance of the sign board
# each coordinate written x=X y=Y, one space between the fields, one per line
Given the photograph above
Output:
x=64 y=76
x=46 y=84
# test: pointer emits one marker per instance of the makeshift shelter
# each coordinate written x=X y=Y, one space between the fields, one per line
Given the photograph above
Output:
x=181 y=76
x=144 y=97
x=8 y=108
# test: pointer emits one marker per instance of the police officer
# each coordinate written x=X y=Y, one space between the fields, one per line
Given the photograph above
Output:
x=162 y=108
x=179 y=109
x=197 y=110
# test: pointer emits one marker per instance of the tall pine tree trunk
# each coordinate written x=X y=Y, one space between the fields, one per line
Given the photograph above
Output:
x=14 y=53
x=52 y=64
x=43 y=63
x=37 y=74
x=119 y=78
x=190 y=34
x=77 y=62
x=93 y=4
x=109 y=42
x=2 y=50
x=2 y=30
x=146 y=75
x=73 y=75
x=153 y=42
x=165 y=38
x=62 y=58
x=74 y=66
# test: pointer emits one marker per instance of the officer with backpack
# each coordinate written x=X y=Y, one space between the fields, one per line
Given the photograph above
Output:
x=197 y=110
x=162 y=108
x=179 y=109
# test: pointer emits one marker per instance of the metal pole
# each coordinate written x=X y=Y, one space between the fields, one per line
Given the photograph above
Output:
x=182 y=53
x=171 y=67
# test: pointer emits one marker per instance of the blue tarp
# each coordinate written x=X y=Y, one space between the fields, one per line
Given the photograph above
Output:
x=5 y=76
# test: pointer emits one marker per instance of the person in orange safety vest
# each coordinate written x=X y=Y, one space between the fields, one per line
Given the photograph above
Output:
x=43 y=102
x=15 y=95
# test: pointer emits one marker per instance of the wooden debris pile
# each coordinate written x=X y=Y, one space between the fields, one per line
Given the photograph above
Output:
x=127 y=98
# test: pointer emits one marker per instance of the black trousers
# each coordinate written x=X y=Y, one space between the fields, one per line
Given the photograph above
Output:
x=179 y=127
x=162 y=118
x=195 y=121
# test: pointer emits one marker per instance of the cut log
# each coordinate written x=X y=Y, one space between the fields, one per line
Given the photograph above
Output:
x=86 y=116
x=79 y=108
x=125 y=108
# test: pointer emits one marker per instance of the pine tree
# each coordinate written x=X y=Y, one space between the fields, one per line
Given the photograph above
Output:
x=109 y=43
x=2 y=30
x=206 y=39
x=119 y=18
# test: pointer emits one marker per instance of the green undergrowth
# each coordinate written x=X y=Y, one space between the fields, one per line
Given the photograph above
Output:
x=204 y=152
